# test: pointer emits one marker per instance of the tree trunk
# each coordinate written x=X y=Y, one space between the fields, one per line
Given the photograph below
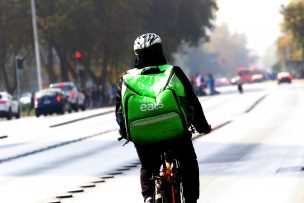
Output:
x=50 y=64
x=7 y=85
x=302 y=51
x=1 y=74
x=63 y=64
x=104 y=72
x=87 y=67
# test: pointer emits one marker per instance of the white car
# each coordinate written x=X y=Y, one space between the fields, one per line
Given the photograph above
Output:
x=75 y=97
x=8 y=106
x=284 y=77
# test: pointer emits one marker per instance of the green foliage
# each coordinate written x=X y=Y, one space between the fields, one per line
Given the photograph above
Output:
x=291 y=44
x=15 y=37
x=293 y=20
x=103 y=31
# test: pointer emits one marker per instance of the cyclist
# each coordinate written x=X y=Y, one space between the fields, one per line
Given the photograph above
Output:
x=149 y=52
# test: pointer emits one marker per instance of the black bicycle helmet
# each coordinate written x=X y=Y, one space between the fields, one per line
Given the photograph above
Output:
x=148 y=41
x=148 y=50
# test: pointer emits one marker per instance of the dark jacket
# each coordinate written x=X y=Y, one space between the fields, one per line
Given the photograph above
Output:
x=198 y=119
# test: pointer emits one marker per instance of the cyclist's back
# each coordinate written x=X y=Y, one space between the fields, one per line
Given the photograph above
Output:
x=148 y=50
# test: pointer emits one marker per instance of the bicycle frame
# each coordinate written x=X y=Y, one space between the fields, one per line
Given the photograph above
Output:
x=168 y=183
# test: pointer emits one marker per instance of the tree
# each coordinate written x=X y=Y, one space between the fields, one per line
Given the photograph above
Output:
x=288 y=49
x=15 y=36
x=293 y=21
x=212 y=56
x=178 y=21
x=103 y=31
x=59 y=24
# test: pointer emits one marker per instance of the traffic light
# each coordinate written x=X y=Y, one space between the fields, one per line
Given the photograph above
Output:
x=19 y=63
x=78 y=56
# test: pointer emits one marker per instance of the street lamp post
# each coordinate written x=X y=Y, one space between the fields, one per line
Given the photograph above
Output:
x=36 y=42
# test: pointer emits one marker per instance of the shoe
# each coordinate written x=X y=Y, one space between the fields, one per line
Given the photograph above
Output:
x=149 y=200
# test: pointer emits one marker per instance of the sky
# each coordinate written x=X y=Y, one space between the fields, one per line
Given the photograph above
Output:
x=259 y=20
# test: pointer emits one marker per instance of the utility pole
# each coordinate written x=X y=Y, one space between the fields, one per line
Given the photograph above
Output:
x=18 y=66
x=36 y=41
x=79 y=68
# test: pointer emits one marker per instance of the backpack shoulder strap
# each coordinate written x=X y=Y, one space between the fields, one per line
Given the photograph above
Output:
x=133 y=71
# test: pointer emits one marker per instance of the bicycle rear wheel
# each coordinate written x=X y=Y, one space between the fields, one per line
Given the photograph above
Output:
x=179 y=193
x=163 y=192
x=171 y=193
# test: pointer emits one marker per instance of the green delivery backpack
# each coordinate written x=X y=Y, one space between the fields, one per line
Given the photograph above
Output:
x=153 y=105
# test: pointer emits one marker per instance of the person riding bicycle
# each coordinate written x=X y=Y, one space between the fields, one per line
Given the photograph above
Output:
x=151 y=59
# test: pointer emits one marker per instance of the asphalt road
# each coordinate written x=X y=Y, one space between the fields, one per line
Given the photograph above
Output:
x=255 y=153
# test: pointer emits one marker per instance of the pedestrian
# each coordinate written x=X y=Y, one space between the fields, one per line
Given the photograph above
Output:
x=101 y=96
x=32 y=104
x=200 y=84
x=193 y=83
x=95 y=96
x=211 y=84
x=112 y=94
x=240 y=86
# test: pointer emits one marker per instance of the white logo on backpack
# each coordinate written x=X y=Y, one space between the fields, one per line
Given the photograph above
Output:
x=151 y=106
x=145 y=87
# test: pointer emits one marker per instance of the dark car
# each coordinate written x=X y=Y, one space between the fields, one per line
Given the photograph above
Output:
x=284 y=77
x=49 y=101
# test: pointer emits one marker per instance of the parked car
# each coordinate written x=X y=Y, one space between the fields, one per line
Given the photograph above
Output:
x=26 y=98
x=223 y=81
x=284 y=77
x=259 y=77
x=49 y=101
x=8 y=106
x=76 y=98
x=235 y=80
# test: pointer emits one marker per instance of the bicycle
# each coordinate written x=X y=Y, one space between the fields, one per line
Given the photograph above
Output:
x=168 y=181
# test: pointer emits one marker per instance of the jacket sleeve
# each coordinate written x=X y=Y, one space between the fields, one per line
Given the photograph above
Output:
x=198 y=118
x=118 y=110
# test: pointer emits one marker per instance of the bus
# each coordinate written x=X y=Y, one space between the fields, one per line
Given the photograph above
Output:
x=245 y=74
